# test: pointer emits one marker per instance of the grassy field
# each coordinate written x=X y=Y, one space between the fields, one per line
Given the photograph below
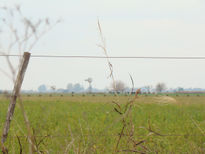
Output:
x=89 y=124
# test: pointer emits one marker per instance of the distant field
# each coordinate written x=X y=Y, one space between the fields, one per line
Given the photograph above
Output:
x=89 y=124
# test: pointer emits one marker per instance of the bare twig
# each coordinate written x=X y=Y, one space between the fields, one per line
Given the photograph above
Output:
x=26 y=38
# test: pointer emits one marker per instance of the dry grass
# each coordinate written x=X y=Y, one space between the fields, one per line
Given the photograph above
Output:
x=165 y=99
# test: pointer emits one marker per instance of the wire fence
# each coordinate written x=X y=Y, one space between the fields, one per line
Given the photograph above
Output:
x=113 y=57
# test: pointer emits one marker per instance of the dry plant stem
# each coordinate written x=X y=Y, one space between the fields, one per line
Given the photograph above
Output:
x=133 y=151
x=124 y=120
x=197 y=125
x=30 y=142
x=41 y=141
x=129 y=105
x=68 y=146
x=120 y=136
x=13 y=71
x=14 y=96
x=82 y=133
x=103 y=47
x=23 y=40
x=20 y=145
x=29 y=130
x=71 y=134
x=126 y=117
x=151 y=130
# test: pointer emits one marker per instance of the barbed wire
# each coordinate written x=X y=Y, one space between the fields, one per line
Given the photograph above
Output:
x=113 y=57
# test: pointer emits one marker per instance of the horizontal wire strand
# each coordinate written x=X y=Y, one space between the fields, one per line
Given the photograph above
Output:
x=111 y=57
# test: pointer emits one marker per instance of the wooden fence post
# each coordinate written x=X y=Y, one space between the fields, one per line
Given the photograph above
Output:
x=15 y=94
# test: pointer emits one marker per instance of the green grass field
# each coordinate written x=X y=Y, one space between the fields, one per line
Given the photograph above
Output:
x=89 y=124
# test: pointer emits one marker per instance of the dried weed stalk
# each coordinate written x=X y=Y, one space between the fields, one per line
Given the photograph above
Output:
x=126 y=135
x=21 y=33
x=124 y=111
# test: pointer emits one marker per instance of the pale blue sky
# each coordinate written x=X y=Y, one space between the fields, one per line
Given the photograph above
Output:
x=131 y=28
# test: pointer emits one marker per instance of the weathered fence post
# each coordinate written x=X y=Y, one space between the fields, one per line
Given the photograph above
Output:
x=15 y=94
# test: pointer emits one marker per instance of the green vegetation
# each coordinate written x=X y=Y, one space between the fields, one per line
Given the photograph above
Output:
x=89 y=124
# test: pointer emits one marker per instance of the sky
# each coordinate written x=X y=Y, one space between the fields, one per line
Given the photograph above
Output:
x=131 y=28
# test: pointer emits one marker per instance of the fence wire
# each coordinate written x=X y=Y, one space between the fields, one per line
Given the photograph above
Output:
x=114 y=57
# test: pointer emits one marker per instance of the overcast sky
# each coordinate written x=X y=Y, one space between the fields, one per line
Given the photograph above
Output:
x=131 y=28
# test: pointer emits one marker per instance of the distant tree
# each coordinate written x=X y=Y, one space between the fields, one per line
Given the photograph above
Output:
x=42 y=88
x=53 y=88
x=6 y=94
x=60 y=90
x=148 y=88
x=180 y=89
x=77 y=88
x=160 y=87
x=69 y=87
x=118 y=86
